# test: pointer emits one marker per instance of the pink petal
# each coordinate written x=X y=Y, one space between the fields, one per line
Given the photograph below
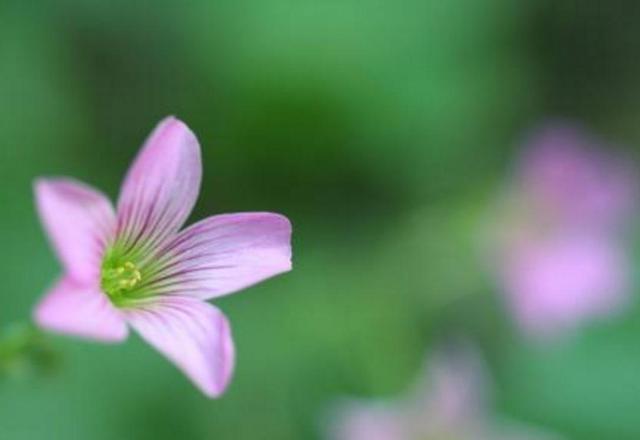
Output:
x=161 y=186
x=192 y=334
x=79 y=221
x=82 y=311
x=223 y=254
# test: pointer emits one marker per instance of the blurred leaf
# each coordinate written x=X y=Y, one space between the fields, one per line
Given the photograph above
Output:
x=25 y=352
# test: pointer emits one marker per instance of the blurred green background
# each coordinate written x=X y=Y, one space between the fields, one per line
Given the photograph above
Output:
x=382 y=129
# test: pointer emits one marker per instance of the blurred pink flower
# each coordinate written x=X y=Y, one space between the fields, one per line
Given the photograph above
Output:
x=562 y=259
x=134 y=266
x=573 y=179
x=450 y=402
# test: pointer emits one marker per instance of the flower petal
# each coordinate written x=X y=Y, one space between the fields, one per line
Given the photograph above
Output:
x=78 y=310
x=192 y=334
x=223 y=254
x=161 y=186
x=79 y=221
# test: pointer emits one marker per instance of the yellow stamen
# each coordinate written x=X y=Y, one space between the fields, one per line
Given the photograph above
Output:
x=121 y=278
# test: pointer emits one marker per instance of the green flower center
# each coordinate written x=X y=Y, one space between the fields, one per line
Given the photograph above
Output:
x=127 y=275
x=119 y=278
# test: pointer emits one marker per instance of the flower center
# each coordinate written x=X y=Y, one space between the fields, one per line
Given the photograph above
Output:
x=120 y=279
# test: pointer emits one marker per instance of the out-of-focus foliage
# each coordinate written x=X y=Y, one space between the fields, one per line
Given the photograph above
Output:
x=25 y=352
x=382 y=129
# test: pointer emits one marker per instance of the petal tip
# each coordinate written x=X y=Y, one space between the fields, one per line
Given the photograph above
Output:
x=55 y=327
x=217 y=383
x=61 y=186
x=287 y=231
x=215 y=389
x=38 y=183
x=41 y=185
x=114 y=336
x=282 y=229
x=193 y=335
x=172 y=123
x=53 y=314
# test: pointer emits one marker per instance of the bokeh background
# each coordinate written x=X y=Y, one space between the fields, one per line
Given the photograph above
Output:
x=383 y=129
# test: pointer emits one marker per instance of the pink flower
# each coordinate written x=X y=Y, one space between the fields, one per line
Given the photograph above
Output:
x=561 y=259
x=554 y=284
x=134 y=267
x=573 y=179
x=450 y=402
